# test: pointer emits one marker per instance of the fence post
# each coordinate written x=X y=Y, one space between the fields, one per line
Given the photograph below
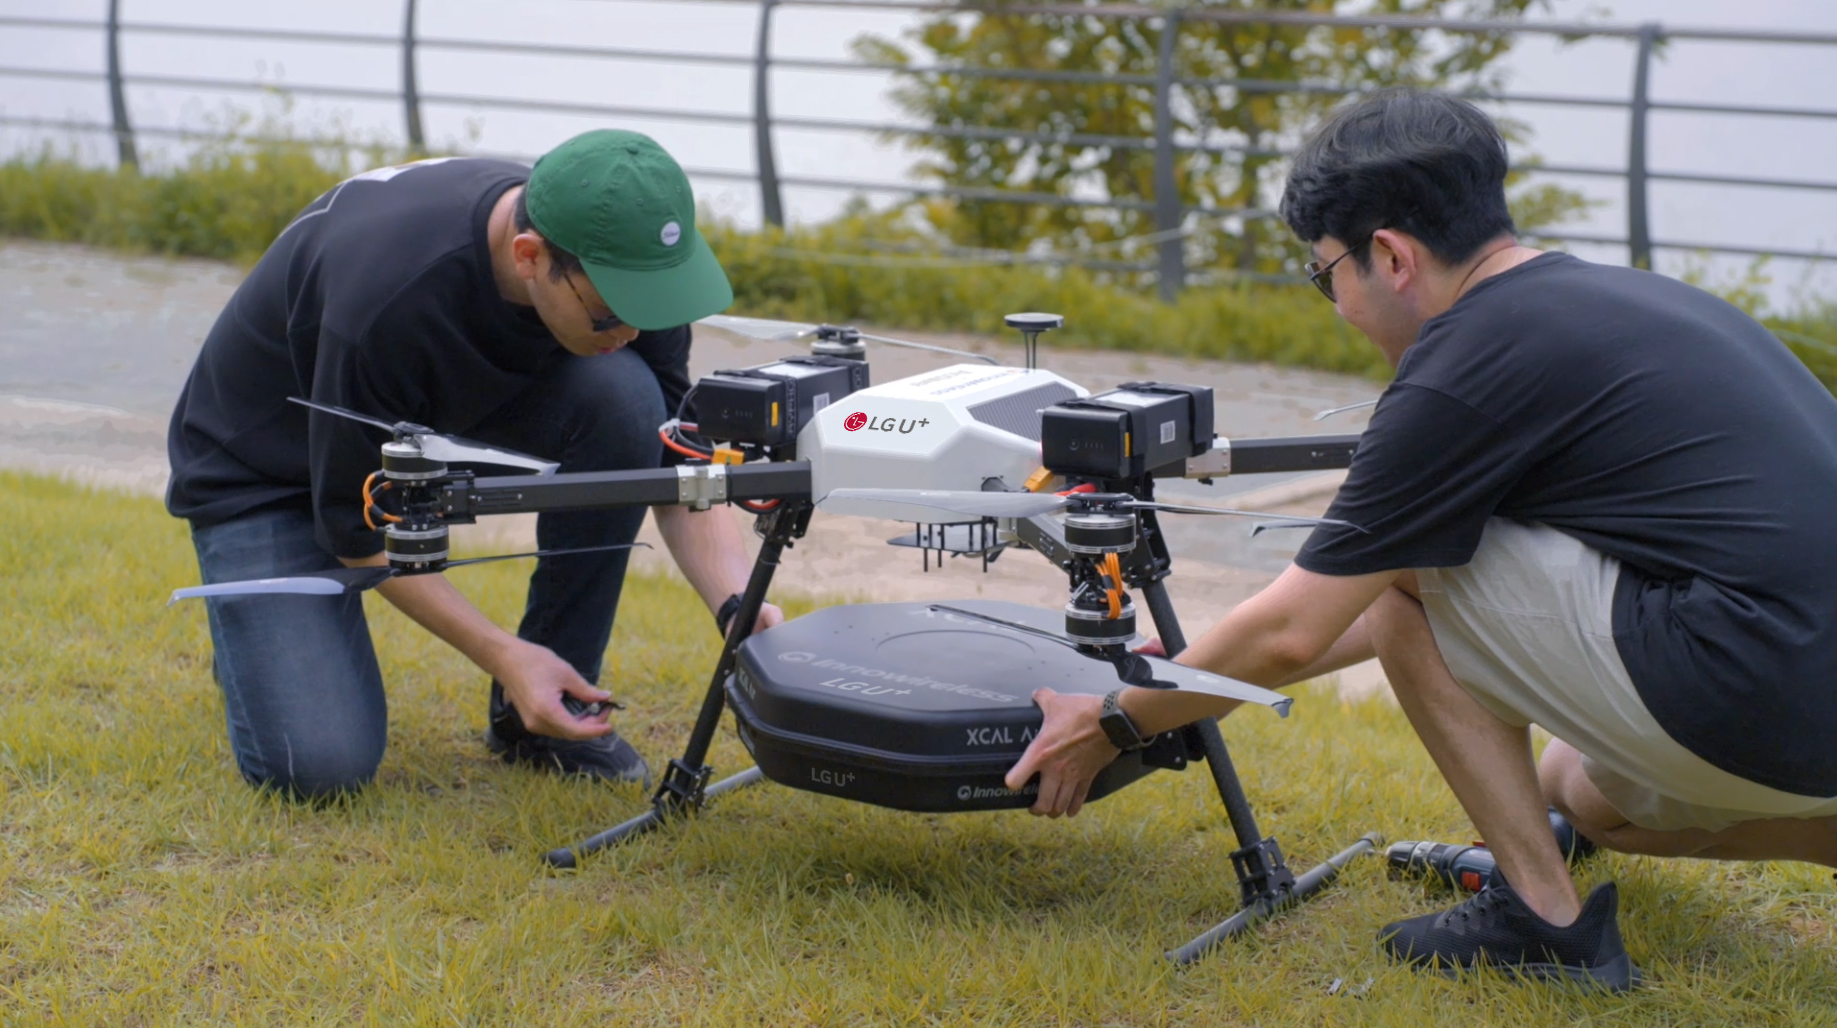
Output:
x=770 y=201
x=1172 y=271
x=1639 y=229
x=411 y=92
x=117 y=98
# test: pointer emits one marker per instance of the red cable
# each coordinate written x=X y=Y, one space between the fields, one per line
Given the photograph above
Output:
x=680 y=448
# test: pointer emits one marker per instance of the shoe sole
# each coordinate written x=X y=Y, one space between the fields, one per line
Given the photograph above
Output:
x=1615 y=976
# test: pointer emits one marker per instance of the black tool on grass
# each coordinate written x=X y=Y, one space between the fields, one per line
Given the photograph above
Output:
x=1472 y=867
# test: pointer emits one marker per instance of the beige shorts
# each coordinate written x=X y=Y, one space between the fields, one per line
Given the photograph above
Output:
x=1527 y=627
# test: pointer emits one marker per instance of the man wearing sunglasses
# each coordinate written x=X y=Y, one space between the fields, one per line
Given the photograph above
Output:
x=545 y=310
x=1593 y=498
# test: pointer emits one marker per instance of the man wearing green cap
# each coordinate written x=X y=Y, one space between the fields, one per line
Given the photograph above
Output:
x=544 y=310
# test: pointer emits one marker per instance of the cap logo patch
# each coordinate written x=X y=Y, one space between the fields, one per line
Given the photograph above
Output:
x=672 y=232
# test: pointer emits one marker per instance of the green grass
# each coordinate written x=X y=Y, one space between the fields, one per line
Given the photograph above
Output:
x=142 y=883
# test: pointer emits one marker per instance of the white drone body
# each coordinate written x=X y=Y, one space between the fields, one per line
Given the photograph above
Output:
x=955 y=428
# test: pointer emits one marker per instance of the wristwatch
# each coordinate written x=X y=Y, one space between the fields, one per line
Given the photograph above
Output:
x=729 y=607
x=1116 y=725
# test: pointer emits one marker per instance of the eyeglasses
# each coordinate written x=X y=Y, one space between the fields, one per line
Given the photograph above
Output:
x=605 y=324
x=1322 y=277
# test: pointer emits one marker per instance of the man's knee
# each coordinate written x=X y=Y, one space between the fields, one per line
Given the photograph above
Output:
x=614 y=406
x=1397 y=624
x=314 y=769
x=1567 y=787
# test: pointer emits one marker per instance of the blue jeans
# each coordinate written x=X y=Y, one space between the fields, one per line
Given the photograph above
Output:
x=303 y=695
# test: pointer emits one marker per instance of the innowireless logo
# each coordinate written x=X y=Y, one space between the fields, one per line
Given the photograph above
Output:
x=857 y=421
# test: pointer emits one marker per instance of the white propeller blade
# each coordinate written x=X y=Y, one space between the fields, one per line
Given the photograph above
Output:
x=454 y=450
x=1181 y=677
x=308 y=585
x=448 y=449
x=1279 y=520
x=1325 y=414
x=794 y=331
x=971 y=504
x=760 y=328
x=1186 y=679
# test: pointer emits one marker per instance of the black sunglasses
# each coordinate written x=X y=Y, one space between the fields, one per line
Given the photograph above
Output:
x=1322 y=276
x=605 y=324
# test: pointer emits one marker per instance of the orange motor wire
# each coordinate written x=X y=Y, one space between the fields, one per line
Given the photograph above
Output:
x=370 y=502
x=1113 y=569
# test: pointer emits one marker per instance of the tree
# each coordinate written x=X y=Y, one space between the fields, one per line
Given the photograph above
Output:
x=1250 y=91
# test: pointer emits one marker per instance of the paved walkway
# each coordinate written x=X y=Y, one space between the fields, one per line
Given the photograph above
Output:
x=96 y=345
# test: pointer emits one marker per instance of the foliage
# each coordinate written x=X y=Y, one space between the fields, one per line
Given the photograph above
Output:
x=141 y=882
x=863 y=267
x=830 y=273
x=227 y=200
x=1242 y=118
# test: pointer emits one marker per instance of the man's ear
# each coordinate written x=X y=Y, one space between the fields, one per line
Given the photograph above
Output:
x=1396 y=256
x=527 y=250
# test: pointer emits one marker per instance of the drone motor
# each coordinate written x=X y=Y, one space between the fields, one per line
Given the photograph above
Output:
x=416 y=539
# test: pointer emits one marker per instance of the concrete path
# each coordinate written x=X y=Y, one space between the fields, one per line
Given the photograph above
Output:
x=94 y=347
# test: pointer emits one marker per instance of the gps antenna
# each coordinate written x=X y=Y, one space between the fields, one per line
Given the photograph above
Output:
x=1031 y=324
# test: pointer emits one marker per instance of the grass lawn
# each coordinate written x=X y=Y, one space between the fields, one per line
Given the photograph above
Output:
x=141 y=882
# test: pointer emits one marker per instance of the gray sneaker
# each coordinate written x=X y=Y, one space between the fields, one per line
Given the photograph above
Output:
x=608 y=758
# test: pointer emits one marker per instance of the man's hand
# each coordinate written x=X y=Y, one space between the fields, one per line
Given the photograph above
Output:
x=1067 y=754
x=769 y=616
x=534 y=681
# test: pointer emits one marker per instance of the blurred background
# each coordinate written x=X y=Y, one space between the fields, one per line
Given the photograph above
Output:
x=1144 y=143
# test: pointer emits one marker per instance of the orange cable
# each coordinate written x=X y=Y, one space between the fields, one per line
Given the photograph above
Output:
x=680 y=448
x=370 y=501
x=1113 y=569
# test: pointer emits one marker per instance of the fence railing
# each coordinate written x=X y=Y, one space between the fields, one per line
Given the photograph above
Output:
x=1170 y=214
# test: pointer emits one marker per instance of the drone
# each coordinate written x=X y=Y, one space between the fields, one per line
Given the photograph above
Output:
x=909 y=706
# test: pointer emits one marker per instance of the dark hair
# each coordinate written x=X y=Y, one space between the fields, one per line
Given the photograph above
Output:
x=1424 y=163
x=561 y=262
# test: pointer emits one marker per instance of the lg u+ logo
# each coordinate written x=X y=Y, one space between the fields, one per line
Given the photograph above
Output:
x=857 y=421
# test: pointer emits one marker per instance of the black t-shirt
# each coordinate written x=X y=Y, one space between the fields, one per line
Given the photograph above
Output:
x=379 y=298
x=1655 y=423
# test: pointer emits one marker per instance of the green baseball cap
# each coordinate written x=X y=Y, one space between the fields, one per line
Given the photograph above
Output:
x=622 y=205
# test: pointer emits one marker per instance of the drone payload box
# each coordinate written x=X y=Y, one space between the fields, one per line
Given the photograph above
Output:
x=1125 y=432
x=961 y=427
x=924 y=706
x=770 y=404
x=907 y=706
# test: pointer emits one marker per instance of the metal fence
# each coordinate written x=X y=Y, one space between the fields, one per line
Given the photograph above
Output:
x=1169 y=212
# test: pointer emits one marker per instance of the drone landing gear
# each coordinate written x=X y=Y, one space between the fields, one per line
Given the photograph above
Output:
x=1266 y=884
x=685 y=786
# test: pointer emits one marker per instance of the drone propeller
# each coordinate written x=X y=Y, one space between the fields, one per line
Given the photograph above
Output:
x=1147 y=672
x=334 y=581
x=448 y=449
x=794 y=331
x=1026 y=505
x=1325 y=414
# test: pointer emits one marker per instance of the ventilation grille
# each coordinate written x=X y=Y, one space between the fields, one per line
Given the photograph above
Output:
x=1020 y=413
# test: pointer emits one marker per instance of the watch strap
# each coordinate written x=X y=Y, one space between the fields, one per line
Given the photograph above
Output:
x=1116 y=725
x=729 y=607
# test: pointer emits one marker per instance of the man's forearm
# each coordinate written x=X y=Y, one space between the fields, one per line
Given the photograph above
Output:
x=708 y=548
x=433 y=603
x=1285 y=634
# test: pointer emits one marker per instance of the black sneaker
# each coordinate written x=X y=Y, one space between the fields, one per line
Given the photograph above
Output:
x=1497 y=929
x=607 y=758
